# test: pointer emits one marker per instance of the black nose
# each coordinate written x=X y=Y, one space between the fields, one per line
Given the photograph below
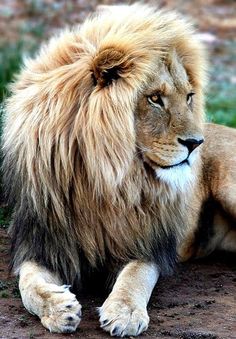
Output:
x=190 y=143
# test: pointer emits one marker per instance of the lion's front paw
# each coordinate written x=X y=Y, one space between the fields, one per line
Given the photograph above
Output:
x=62 y=311
x=121 y=318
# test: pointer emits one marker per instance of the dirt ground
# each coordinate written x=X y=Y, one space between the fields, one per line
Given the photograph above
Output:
x=197 y=302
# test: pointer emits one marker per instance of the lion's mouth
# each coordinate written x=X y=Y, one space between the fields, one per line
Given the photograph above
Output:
x=175 y=165
x=155 y=165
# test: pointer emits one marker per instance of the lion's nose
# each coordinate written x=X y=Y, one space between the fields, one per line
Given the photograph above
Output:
x=191 y=143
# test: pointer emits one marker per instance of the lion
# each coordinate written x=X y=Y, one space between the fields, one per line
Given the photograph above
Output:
x=109 y=166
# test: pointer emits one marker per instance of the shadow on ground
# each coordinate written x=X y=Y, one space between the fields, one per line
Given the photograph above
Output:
x=197 y=302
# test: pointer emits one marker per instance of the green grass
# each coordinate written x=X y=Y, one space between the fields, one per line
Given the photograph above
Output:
x=3 y=285
x=4 y=217
x=4 y=294
x=10 y=60
x=221 y=104
x=221 y=99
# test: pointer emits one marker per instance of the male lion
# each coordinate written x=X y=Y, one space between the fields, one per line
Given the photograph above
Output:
x=103 y=168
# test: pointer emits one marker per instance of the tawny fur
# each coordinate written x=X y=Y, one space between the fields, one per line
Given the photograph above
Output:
x=70 y=140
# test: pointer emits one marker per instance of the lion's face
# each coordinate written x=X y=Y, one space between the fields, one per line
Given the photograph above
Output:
x=168 y=122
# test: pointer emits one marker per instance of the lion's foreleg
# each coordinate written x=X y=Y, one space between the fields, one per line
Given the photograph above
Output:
x=124 y=313
x=44 y=295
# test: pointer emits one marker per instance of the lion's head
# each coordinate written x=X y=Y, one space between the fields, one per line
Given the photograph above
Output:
x=169 y=121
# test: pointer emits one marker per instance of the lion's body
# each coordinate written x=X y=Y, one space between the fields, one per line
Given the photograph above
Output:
x=213 y=216
x=97 y=158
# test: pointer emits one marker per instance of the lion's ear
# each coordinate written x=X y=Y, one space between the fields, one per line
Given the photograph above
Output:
x=109 y=65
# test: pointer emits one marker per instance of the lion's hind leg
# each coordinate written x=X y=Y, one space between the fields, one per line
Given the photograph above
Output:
x=124 y=313
x=43 y=295
x=229 y=242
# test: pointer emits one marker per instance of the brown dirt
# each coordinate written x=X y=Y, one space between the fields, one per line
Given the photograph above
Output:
x=197 y=302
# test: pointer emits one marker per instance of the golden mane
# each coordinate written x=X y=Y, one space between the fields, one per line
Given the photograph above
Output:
x=70 y=158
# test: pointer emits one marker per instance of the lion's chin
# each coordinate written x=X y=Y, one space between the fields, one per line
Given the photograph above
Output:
x=151 y=161
x=179 y=177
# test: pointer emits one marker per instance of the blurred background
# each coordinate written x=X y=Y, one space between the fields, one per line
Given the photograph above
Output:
x=25 y=23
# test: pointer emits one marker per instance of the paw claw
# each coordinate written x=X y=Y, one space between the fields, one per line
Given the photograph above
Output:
x=62 y=312
x=104 y=322
x=122 y=319
x=68 y=329
x=79 y=314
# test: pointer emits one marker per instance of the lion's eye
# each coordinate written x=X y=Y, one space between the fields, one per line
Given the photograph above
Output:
x=190 y=98
x=155 y=100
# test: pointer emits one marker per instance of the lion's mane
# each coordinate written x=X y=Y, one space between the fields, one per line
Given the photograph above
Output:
x=71 y=168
